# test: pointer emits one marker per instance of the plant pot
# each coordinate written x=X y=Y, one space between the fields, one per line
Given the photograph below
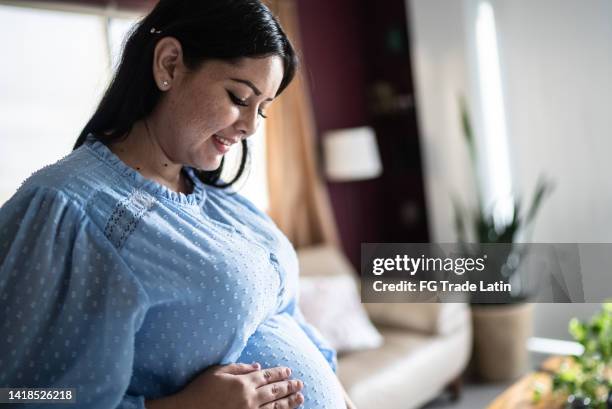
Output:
x=500 y=340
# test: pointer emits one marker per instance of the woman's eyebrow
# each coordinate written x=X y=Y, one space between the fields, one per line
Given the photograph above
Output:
x=251 y=85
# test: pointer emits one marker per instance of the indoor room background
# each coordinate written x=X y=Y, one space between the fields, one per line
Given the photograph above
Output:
x=549 y=62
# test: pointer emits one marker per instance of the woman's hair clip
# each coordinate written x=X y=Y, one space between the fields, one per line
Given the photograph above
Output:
x=155 y=31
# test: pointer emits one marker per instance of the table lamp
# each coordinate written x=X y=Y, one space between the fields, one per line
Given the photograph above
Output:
x=351 y=154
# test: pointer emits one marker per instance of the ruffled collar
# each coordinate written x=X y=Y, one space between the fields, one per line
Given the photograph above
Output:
x=196 y=197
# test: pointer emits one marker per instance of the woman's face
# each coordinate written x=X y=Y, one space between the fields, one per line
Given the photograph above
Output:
x=206 y=112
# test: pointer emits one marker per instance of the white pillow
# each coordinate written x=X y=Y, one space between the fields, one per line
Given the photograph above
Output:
x=331 y=304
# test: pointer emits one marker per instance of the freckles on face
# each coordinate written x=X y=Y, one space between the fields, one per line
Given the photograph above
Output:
x=207 y=115
x=195 y=114
x=203 y=104
x=214 y=117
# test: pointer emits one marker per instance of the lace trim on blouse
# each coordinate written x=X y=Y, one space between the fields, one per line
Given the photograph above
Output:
x=126 y=215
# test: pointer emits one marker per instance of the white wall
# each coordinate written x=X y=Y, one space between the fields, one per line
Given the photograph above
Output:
x=556 y=63
x=557 y=57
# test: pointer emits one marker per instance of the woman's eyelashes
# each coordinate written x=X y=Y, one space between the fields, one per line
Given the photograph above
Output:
x=243 y=103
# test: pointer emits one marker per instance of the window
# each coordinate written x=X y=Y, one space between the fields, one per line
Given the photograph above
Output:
x=496 y=176
x=57 y=73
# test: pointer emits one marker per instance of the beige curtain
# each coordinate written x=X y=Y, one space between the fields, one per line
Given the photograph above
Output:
x=299 y=203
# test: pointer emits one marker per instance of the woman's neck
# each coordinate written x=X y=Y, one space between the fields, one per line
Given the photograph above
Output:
x=141 y=151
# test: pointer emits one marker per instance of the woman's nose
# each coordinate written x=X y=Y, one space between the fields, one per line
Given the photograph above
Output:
x=248 y=122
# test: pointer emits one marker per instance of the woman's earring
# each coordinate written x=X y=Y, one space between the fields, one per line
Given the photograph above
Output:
x=165 y=84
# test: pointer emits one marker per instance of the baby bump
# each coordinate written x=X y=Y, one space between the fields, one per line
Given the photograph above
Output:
x=281 y=342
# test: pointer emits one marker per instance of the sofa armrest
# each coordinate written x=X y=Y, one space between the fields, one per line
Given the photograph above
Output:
x=426 y=318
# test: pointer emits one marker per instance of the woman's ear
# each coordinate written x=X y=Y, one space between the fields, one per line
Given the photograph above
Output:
x=167 y=63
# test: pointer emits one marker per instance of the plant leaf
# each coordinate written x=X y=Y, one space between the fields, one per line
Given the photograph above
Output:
x=543 y=188
x=466 y=125
x=459 y=220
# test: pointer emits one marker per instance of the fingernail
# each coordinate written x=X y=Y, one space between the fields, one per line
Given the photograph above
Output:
x=255 y=365
x=288 y=371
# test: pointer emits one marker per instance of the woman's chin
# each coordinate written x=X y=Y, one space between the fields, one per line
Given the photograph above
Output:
x=210 y=164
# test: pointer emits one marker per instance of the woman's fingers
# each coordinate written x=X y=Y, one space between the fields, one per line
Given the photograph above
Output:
x=277 y=390
x=239 y=369
x=272 y=388
x=290 y=402
x=269 y=375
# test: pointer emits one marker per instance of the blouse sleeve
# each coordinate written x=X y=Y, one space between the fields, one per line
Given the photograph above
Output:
x=69 y=305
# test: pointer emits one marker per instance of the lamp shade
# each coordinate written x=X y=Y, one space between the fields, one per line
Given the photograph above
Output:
x=351 y=154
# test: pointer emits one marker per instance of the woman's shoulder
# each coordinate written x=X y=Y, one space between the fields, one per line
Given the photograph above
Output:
x=79 y=181
x=76 y=175
x=74 y=194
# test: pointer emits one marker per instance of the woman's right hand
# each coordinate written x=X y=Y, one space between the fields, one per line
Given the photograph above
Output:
x=236 y=386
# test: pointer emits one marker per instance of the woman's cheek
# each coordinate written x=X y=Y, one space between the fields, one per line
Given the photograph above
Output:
x=227 y=115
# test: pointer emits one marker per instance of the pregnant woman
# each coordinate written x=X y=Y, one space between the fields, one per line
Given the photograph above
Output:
x=129 y=272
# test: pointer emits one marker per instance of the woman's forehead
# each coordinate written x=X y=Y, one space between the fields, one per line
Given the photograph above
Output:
x=263 y=75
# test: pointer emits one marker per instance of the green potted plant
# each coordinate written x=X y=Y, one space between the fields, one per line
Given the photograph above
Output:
x=586 y=379
x=501 y=325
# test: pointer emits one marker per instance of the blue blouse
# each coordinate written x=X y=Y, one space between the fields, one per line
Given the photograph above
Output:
x=117 y=286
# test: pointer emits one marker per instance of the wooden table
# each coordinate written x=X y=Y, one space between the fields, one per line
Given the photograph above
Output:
x=520 y=395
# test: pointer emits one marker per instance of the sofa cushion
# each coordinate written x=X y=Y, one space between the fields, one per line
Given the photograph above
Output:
x=332 y=305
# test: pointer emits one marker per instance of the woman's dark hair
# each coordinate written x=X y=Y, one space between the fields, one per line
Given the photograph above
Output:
x=207 y=29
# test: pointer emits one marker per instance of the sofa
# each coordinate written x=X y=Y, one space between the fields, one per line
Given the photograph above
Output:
x=425 y=347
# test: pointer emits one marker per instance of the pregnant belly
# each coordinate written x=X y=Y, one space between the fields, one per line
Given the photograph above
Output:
x=281 y=342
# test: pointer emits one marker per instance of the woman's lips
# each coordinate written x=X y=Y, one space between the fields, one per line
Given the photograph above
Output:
x=221 y=147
